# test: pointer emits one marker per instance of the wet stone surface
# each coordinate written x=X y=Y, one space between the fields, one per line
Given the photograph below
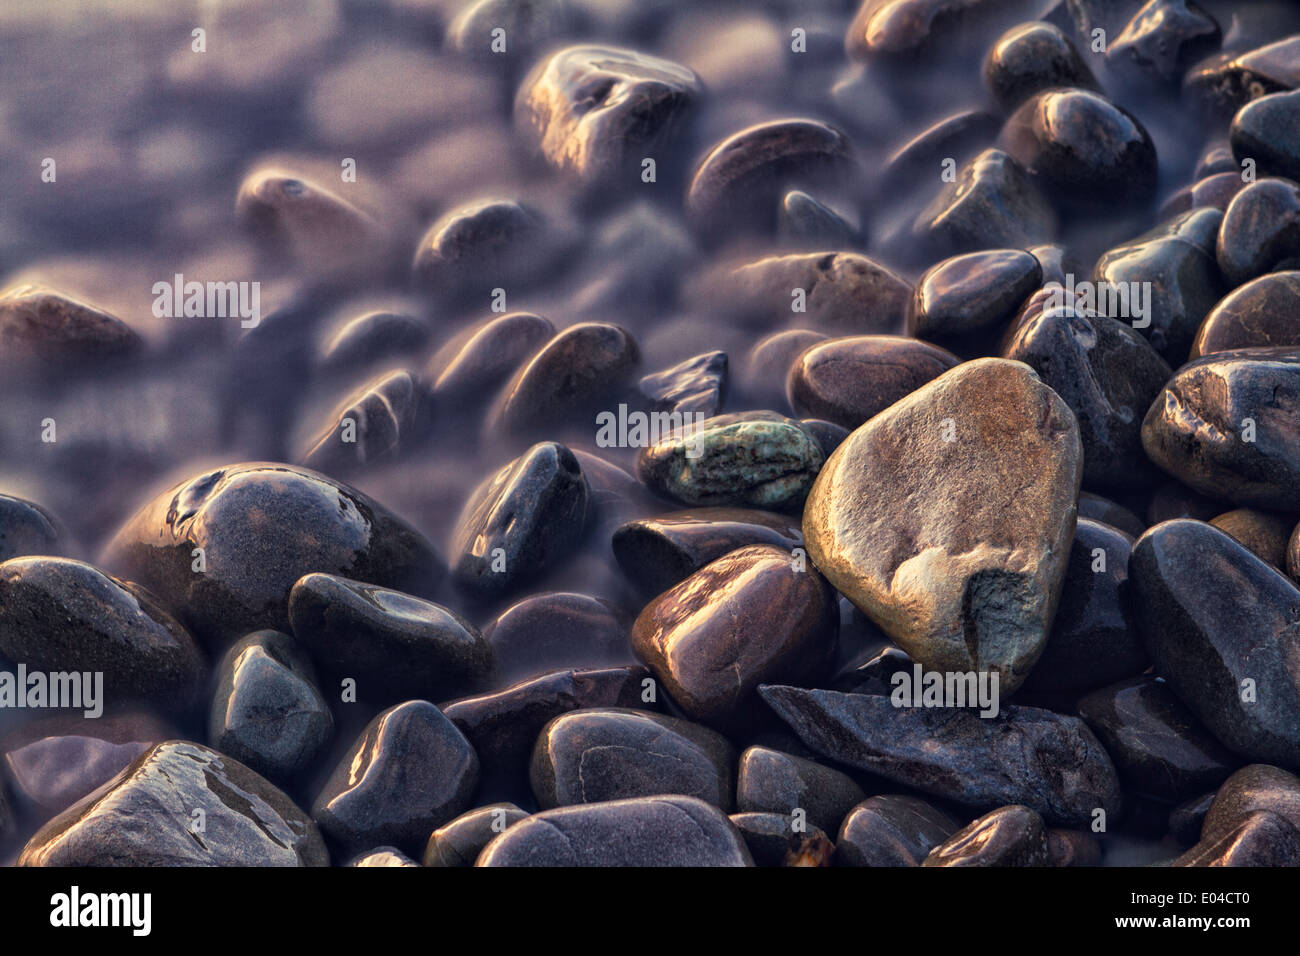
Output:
x=410 y=771
x=645 y=831
x=143 y=818
x=639 y=433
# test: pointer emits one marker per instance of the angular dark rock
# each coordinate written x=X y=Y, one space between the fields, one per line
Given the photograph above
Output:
x=145 y=818
x=1046 y=761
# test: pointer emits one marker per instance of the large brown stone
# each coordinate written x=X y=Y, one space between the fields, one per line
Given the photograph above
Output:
x=754 y=616
x=961 y=561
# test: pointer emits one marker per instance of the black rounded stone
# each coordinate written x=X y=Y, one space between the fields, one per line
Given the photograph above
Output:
x=657 y=831
x=1157 y=745
x=261 y=526
x=1084 y=148
x=459 y=842
x=1030 y=58
x=592 y=756
x=267 y=712
x=1094 y=640
x=395 y=645
x=61 y=615
x=1212 y=616
x=409 y=772
x=519 y=522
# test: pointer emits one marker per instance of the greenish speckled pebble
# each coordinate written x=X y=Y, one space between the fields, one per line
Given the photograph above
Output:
x=759 y=459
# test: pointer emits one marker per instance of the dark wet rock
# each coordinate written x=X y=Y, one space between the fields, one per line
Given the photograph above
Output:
x=591 y=756
x=383 y=856
x=570 y=375
x=1046 y=761
x=957 y=137
x=148 y=817
x=1267 y=130
x=848 y=381
x=872 y=670
x=1213 y=192
x=773 y=840
x=1072 y=848
x=1226 y=82
x=769 y=781
x=1214 y=616
x=803 y=221
x=1177 y=259
x=1261 y=839
x=1093 y=641
x=595 y=112
x=27 y=528
x=262 y=526
x=1165 y=37
x=1173 y=499
x=298 y=219
x=475 y=365
x=767 y=366
x=374 y=337
x=844 y=292
x=1108 y=375
x=1216 y=159
x=459 y=842
x=379 y=421
x=1157 y=745
x=267 y=712
x=522 y=520
x=1292 y=565
x=660 y=552
x=903 y=28
x=1083 y=148
x=1097 y=508
x=755 y=616
x=645 y=831
x=1009 y=836
x=1186 y=819
x=488 y=244
x=54 y=762
x=756 y=459
x=738 y=186
x=972 y=295
x=1260 y=231
x=504 y=725
x=550 y=631
x=42 y=326
x=1255 y=315
x=409 y=772
x=1266 y=534
x=8 y=826
x=613 y=494
x=918 y=561
x=694 y=387
x=891 y=830
x=828 y=434
x=1030 y=58
x=992 y=204
x=61 y=615
x=1226 y=425
x=1251 y=789
x=396 y=646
